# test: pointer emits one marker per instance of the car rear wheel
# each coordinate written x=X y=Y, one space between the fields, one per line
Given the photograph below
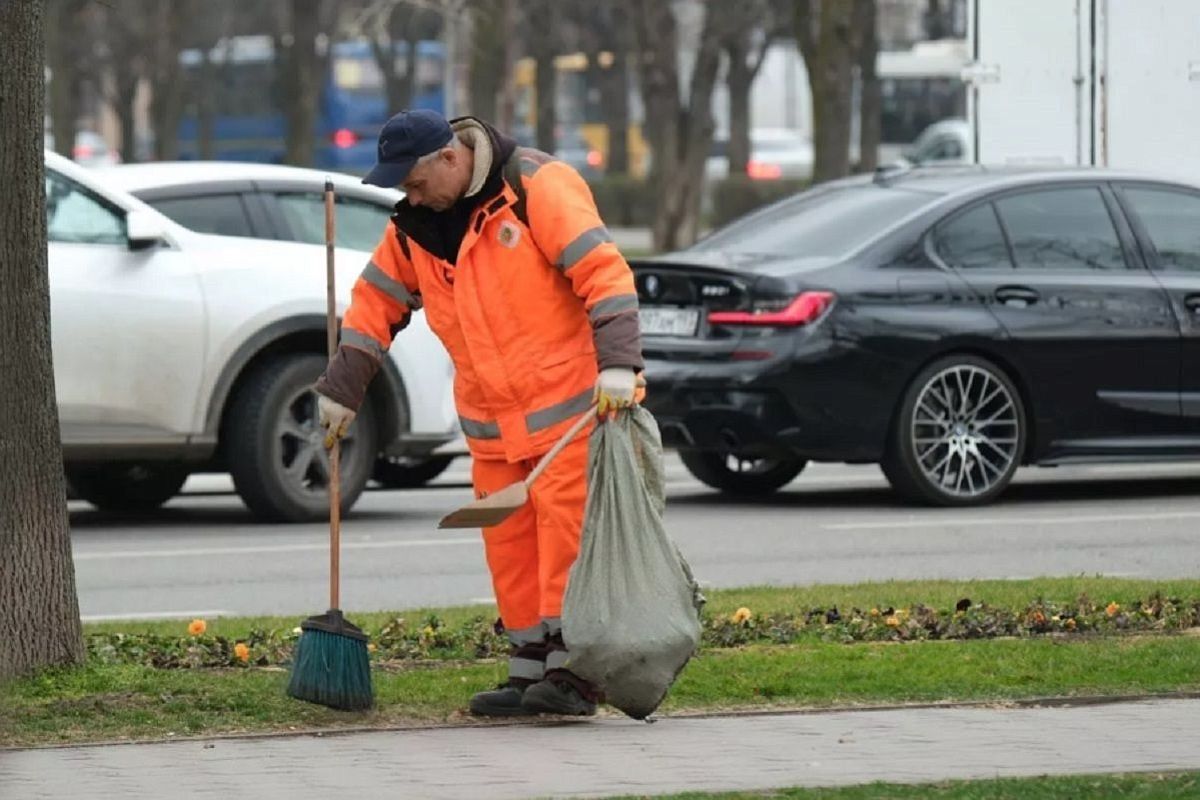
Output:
x=275 y=447
x=959 y=434
x=402 y=472
x=126 y=488
x=738 y=475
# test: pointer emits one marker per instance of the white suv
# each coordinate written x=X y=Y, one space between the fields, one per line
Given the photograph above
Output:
x=178 y=352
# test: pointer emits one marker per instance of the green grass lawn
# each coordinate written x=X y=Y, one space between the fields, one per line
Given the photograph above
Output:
x=1148 y=786
x=118 y=701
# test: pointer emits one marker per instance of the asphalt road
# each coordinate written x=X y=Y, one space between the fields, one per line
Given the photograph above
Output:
x=205 y=556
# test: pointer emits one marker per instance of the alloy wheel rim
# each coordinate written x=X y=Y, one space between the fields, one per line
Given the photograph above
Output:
x=965 y=431
x=301 y=449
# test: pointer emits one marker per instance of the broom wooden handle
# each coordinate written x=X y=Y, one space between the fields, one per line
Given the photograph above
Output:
x=579 y=425
x=335 y=483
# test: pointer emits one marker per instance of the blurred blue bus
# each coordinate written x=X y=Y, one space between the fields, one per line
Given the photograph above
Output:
x=247 y=119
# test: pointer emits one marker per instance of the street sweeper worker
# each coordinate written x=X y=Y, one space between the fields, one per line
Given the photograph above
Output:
x=503 y=248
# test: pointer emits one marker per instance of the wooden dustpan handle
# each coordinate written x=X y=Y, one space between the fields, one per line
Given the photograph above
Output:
x=335 y=482
x=579 y=425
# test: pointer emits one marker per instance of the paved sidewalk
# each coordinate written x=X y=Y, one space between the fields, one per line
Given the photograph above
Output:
x=617 y=756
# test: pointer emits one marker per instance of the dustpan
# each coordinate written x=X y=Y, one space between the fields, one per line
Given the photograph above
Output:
x=499 y=506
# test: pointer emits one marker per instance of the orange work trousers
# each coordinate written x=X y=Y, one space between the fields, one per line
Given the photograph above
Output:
x=531 y=552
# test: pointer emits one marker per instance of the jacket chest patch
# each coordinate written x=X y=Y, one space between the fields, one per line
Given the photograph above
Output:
x=508 y=234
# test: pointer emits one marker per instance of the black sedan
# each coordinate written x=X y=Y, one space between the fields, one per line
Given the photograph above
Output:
x=947 y=323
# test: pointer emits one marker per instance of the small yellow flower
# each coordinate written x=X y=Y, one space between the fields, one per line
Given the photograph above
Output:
x=893 y=621
x=198 y=627
x=741 y=615
x=371 y=647
x=1069 y=624
x=874 y=612
x=429 y=631
x=241 y=651
x=1112 y=609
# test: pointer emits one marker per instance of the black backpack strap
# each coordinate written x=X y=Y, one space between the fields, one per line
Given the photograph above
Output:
x=512 y=176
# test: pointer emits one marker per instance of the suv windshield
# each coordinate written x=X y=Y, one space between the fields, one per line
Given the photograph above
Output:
x=828 y=222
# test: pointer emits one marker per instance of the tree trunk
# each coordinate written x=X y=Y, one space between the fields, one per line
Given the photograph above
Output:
x=547 y=108
x=205 y=114
x=871 y=100
x=739 y=81
x=828 y=55
x=487 y=62
x=126 y=92
x=680 y=135
x=39 y=610
x=62 y=43
x=614 y=97
x=166 y=103
x=301 y=83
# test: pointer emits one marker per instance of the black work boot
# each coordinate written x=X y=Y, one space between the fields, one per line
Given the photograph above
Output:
x=561 y=692
x=503 y=701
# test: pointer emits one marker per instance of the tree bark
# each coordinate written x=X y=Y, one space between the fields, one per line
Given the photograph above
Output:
x=614 y=97
x=870 y=101
x=542 y=19
x=680 y=134
x=39 y=609
x=62 y=52
x=487 y=62
x=823 y=29
x=739 y=81
x=166 y=102
x=301 y=82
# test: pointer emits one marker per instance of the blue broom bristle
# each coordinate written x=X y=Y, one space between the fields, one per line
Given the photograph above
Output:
x=332 y=670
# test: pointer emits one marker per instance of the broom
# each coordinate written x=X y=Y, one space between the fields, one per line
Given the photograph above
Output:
x=331 y=666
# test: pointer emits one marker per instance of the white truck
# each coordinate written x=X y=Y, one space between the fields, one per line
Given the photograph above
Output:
x=1085 y=82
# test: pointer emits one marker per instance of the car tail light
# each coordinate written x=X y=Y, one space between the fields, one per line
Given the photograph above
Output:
x=345 y=138
x=760 y=171
x=805 y=308
x=81 y=151
x=594 y=158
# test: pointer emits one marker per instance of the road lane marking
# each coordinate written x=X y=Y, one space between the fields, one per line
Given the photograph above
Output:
x=278 y=548
x=976 y=522
x=147 y=615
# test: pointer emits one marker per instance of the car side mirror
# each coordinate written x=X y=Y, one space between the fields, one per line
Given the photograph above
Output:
x=144 y=229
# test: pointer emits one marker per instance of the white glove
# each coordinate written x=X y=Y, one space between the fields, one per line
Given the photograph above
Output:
x=334 y=417
x=614 y=389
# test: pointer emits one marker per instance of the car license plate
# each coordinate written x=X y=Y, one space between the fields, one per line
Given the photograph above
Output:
x=669 y=321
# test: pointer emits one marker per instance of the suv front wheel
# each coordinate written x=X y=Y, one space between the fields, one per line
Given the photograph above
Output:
x=274 y=444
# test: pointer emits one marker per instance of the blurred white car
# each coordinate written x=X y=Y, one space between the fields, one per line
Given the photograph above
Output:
x=944 y=142
x=269 y=201
x=774 y=153
x=178 y=352
x=90 y=150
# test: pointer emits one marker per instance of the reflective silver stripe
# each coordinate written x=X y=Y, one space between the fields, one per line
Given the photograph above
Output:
x=374 y=275
x=362 y=342
x=553 y=624
x=526 y=635
x=584 y=243
x=557 y=659
x=613 y=305
x=540 y=420
x=479 y=430
x=526 y=668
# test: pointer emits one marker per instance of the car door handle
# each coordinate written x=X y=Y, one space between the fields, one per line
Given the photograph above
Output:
x=1019 y=296
x=1192 y=303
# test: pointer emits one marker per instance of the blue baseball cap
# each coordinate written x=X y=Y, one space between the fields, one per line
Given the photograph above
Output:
x=404 y=139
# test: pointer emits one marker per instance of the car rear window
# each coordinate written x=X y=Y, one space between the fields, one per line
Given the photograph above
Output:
x=820 y=222
x=222 y=214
